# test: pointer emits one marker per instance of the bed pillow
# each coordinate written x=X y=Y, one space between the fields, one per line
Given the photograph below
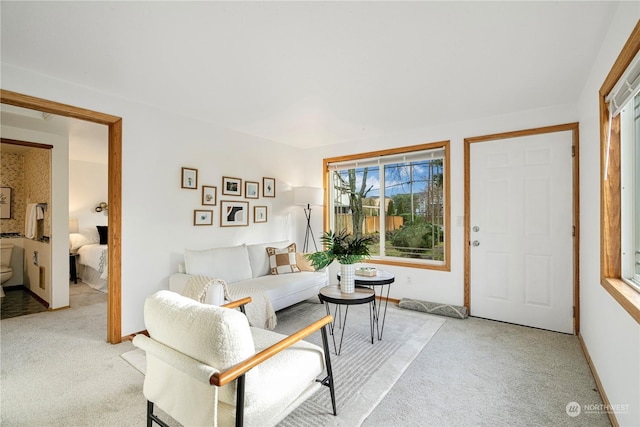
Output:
x=283 y=260
x=103 y=231
x=85 y=236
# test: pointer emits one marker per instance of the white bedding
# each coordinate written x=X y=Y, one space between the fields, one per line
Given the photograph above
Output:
x=94 y=256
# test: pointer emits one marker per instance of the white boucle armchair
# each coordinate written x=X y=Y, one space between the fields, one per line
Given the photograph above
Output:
x=206 y=366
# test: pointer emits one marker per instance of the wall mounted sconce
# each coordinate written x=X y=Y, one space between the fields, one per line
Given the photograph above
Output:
x=102 y=206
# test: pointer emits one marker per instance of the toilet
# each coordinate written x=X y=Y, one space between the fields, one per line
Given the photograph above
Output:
x=5 y=261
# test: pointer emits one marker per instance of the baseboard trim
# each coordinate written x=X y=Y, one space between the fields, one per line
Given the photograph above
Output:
x=603 y=395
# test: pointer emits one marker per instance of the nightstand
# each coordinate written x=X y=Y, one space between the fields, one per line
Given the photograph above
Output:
x=72 y=267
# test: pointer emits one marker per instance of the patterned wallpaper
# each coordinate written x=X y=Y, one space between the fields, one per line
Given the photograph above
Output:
x=29 y=176
x=12 y=175
x=37 y=176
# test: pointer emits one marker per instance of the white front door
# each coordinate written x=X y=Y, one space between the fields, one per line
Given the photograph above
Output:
x=521 y=218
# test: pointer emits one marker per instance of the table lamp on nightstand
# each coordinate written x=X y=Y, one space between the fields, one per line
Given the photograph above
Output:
x=73 y=225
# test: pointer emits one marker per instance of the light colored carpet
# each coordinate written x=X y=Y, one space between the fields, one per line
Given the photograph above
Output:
x=57 y=370
x=363 y=373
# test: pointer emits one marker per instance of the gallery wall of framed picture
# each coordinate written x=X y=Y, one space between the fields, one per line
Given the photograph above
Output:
x=235 y=210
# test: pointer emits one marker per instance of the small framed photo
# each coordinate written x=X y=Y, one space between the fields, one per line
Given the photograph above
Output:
x=259 y=214
x=234 y=214
x=231 y=186
x=5 y=202
x=209 y=195
x=202 y=217
x=268 y=187
x=251 y=190
x=190 y=178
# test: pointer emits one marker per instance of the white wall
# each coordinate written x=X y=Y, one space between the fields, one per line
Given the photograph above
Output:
x=611 y=335
x=157 y=215
x=88 y=186
x=432 y=285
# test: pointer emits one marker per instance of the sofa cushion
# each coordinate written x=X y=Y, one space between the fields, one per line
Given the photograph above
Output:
x=286 y=289
x=303 y=263
x=228 y=263
x=259 y=259
x=283 y=260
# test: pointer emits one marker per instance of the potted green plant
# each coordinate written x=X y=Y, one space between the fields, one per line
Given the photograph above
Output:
x=345 y=249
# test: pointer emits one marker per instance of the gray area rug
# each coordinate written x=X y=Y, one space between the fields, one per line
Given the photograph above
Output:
x=363 y=373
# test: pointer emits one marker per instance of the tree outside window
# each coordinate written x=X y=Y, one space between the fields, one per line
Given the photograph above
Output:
x=397 y=200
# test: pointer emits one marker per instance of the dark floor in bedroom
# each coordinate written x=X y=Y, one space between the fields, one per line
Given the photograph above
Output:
x=18 y=301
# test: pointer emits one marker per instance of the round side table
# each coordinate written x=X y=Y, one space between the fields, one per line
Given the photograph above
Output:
x=382 y=279
x=332 y=294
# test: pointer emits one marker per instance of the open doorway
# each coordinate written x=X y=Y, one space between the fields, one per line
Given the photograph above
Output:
x=114 y=309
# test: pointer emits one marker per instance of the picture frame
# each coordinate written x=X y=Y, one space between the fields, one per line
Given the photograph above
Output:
x=231 y=186
x=5 y=202
x=209 y=195
x=202 y=217
x=190 y=178
x=259 y=214
x=251 y=190
x=234 y=214
x=268 y=187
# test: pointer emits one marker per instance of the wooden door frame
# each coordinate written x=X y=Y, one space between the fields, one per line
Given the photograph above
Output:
x=573 y=127
x=114 y=298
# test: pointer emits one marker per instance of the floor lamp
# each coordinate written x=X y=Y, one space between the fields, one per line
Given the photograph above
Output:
x=308 y=196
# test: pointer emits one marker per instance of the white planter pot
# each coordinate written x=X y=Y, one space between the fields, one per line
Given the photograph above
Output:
x=347 y=278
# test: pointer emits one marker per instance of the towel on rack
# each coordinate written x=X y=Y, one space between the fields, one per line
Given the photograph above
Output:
x=40 y=212
x=30 y=224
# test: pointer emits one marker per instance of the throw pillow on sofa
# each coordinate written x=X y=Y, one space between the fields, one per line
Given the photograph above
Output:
x=259 y=259
x=283 y=260
x=303 y=263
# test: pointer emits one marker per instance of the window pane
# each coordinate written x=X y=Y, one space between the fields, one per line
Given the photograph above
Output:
x=636 y=186
x=630 y=185
x=355 y=194
x=415 y=212
x=395 y=199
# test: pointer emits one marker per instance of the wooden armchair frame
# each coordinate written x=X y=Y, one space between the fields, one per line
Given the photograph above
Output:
x=238 y=371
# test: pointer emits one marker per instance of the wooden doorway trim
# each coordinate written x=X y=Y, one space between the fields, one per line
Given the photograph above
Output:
x=572 y=127
x=114 y=296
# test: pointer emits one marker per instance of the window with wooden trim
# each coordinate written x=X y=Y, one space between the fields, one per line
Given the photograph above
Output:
x=621 y=82
x=629 y=188
x=399 y=198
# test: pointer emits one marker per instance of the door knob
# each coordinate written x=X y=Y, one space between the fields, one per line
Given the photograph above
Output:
x=475 y=243
x=476 y=228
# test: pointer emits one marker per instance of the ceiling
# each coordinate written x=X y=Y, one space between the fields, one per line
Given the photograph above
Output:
x=315 y=73
x=87 y=141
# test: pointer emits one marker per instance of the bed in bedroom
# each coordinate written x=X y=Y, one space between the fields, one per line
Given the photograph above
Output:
x=90 y=245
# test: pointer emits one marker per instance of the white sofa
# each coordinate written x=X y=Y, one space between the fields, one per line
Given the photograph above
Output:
x=248 y=265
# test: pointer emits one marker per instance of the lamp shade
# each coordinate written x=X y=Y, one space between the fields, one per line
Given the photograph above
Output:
x=308 y=196
x=73 y=225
